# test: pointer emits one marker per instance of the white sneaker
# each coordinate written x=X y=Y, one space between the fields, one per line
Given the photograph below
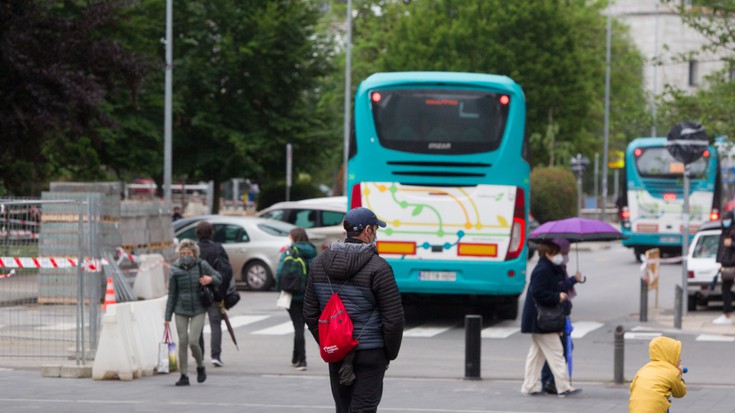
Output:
x=722 y=320
x=217 y=363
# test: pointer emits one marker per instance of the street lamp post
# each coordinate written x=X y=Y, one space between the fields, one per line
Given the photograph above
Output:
x=606 y=130
x=168 y=86
x=348 y=88
x=687 y=142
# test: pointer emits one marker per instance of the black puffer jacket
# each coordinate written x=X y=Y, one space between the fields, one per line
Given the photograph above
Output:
x=726 y=255
x=368 y=289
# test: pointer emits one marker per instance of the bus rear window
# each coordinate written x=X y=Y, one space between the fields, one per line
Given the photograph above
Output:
x=658 y=163
x=439 y=121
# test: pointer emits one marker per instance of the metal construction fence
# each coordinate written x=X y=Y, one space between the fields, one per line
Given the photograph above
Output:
x=51 y=278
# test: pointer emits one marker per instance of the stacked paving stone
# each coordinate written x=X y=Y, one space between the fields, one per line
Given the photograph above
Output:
x=140 y=227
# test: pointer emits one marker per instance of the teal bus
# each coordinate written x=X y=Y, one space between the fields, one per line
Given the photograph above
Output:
x=652 y=203
x=441 y=158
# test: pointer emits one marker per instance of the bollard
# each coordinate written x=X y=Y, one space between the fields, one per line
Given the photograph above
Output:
x=678 y=297
x=472 y=346
x=644 y=300
x=619 y=358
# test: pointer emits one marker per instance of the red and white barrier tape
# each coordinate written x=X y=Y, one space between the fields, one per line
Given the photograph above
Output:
x=50 y=262
x=21 y=222
x=18 y=234
x=137 y=260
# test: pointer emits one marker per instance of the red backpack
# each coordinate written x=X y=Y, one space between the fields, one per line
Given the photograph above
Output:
x=335 y=331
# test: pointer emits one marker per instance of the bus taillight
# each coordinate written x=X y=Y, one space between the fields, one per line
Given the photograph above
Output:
x=637 y=151
x=504 y=99
x=625 y=217
x=669 y=196
x=376 y=97
x=714 y=215
x=356 y=200
x=518 y=230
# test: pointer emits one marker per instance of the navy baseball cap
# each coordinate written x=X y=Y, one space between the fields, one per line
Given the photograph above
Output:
x=358 y=218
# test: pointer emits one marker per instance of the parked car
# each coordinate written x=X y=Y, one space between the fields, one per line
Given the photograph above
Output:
x=702 y=268
x=253 y=245
x=321 y=216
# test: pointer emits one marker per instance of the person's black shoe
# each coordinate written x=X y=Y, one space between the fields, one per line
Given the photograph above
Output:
x=550 y=388
x=570 y=392
x=201 y=374
x=183 y=381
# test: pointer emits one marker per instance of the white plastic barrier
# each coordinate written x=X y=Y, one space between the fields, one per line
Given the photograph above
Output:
x=151 y=279
x=128 y=345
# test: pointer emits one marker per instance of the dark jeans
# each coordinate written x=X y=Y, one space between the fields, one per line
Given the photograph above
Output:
x=215 y=325
x=364 y=395
x=547 y=378
x=296 y=311
x=727 y=296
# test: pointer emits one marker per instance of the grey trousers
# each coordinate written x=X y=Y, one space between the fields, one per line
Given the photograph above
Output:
x=189 y=330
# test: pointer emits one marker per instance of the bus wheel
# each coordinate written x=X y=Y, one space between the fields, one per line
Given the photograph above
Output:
x=638 y=252
x=507 y=308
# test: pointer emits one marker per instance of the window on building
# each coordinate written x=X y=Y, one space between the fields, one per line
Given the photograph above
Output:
x=693 y=73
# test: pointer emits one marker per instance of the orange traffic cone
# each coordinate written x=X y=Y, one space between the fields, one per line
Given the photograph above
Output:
x=110 y=294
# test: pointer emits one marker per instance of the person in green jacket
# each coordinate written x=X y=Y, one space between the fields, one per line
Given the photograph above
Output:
x=188 y=274
x=300 y=245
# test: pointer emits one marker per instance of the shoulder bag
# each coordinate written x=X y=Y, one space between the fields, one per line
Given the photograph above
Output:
x=206 y=294
x=727 y=273
x=550 y=319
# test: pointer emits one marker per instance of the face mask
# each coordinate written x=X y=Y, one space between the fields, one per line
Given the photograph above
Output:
x=565 y=259
x=557 y=259
x=727 y=223
x=187 y=261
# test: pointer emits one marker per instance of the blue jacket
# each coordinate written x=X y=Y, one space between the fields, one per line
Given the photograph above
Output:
x=547 y=281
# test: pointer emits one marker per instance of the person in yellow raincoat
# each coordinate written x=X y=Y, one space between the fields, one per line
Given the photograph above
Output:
x=659 y=379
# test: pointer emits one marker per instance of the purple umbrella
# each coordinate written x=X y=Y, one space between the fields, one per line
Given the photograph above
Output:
x=576 y=230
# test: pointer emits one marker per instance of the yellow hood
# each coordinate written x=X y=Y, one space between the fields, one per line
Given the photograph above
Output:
x=665 y=349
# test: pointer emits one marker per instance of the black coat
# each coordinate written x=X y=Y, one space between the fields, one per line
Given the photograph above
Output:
x=725 y=255
x=216 y=256
x=547 y=281
x=368 y=289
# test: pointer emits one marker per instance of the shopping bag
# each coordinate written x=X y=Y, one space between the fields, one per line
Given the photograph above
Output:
x=284 y=300
x=166 y=353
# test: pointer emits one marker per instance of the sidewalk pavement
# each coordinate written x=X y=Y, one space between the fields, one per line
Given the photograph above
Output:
x=228 y=390
x=694 y=322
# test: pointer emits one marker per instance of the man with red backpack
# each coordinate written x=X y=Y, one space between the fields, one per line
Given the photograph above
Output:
x=365 y=283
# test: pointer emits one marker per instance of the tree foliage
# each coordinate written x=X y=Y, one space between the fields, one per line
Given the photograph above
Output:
x=56 y=68
x=553 y=194
x=554 y=49
x=244 y=80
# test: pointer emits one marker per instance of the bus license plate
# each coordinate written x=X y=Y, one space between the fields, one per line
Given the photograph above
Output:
x=670 y=239
x=438 y=276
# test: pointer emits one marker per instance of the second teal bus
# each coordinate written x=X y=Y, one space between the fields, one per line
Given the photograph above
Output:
x=652 y=204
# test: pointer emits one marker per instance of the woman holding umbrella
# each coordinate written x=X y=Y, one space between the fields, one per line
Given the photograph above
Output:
x=547 y=379
x=545 y=289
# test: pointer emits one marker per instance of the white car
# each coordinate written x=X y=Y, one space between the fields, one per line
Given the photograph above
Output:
x=703 y=268
x=321 y=216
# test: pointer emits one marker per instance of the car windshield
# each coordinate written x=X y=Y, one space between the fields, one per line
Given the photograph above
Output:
x=277 y=228
x=706 y=246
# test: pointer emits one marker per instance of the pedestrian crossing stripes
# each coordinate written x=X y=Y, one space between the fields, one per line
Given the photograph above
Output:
x=239 y=321
x=276 y=326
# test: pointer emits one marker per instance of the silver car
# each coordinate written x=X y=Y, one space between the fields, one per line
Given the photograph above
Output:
x=253 y=246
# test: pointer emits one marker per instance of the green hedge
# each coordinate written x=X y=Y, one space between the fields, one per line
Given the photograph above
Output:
x=553 y=193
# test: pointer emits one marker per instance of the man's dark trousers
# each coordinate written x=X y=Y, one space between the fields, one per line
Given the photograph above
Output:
x=364 y=395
